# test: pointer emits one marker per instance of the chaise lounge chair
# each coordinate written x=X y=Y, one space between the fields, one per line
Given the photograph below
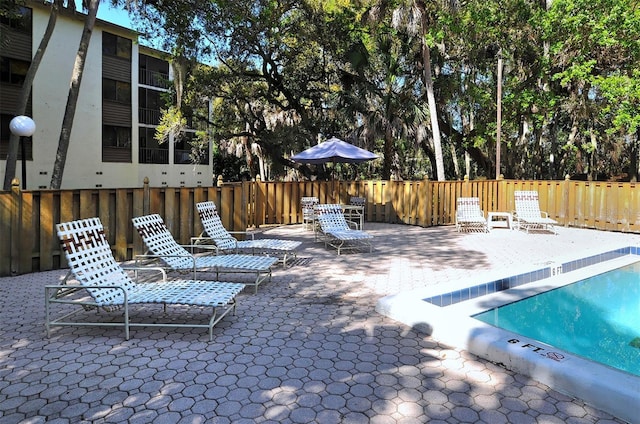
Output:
x=214 y=232
x=308 y=215
x=163 y=247
x=354 y=211
x=528 y=215
x=469 y=216
x=105 y=286
x=335 y=230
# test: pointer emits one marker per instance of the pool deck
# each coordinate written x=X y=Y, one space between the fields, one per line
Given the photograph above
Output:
x=309 y=347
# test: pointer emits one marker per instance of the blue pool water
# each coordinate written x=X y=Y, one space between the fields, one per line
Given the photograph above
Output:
x=597 y=318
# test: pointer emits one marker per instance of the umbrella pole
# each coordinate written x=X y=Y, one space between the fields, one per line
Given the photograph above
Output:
x=333 y=183
x=333 y=190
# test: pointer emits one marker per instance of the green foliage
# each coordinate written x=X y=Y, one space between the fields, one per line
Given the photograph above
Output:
x=285 y=74
x=10 y=8
x=199 y=147
x=231 y=167
x=171 y=125
x=621 y=94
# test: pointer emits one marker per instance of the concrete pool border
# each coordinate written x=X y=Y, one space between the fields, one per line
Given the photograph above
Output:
x=603 y=387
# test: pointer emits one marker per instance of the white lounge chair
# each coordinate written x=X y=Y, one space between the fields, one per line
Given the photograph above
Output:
x=336 y=231
x=469 y=216
x=528 y=215
x=214 y=232
x=308 y=204
x=105 y=286
x=163 y=247
x=355 y=210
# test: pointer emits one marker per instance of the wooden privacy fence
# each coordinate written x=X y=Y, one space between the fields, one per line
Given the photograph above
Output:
x=28 y=242
x=28 y=239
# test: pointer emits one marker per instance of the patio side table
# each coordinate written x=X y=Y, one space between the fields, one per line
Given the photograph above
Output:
x=503 y=218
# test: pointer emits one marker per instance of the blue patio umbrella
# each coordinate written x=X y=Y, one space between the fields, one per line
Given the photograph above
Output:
x=333 y=150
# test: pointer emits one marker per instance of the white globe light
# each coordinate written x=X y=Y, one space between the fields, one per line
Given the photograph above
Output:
x=22 y=126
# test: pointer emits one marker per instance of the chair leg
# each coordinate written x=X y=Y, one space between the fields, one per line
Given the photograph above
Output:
x=126 y=320
x=47 y=312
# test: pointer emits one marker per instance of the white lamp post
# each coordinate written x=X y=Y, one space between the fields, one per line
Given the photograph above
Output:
x=23 y=126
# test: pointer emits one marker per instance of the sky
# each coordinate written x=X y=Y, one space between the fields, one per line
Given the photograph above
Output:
x=120 y=17
x=115 y=16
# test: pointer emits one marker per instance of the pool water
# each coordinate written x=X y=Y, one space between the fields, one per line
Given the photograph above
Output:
x=597 y=318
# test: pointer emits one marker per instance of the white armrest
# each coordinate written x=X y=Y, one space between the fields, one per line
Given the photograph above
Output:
x=246 y=233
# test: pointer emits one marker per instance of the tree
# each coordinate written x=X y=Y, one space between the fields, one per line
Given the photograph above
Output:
x=287 y=73
x=25 y=92
x=594 y=57
x=74 y=90
x=384 y=95
x=91 y=6
x=412 y=18
x=279 y=77
x=428 y=85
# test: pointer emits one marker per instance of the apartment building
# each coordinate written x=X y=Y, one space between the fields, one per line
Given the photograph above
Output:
x=123 y=88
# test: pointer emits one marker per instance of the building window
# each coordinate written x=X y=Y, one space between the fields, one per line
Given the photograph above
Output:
x=153 y=71
x=182 y=149
x=116 y=91
x=13 y=71
x=116 y=144
x=189 y=150
x=20 y=21
x=113 y=45
x=149 y=102
x=113 y=136
x=150 y=150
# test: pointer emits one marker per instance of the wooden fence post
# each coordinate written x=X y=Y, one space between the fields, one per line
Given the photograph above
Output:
x=250 y=206
x=565 y=199
x=466 y=187
x=16 y=226
x=260 y=203
x=146 y=197
x=428 y=202
x=246 y=202
x=502 y=197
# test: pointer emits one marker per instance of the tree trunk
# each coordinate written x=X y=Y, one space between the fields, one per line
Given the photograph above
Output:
x=431 y=98
x=454 y=157
x=74 y=91
x=467 y=164
x=387 y=166
x=248 y=155
x=179 y=65
x=262 y=166
x=499 y=115
x=25 y=92
x=633 y=162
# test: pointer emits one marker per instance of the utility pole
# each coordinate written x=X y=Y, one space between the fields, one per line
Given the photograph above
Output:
x=499 y=114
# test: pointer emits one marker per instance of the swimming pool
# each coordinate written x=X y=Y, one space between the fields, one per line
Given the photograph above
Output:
x=449 y=318
x=597 y=318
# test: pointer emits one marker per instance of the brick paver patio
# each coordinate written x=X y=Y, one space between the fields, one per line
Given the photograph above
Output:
x=307 y=348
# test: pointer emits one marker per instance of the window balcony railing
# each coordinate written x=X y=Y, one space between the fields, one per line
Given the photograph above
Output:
x=153 y=155
x=181 y=156
x=197 y=121
x=148 y=116
x=153 y=78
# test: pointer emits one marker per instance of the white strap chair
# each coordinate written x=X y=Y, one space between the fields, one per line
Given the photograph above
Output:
x=163 y=247
x=102 y=285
